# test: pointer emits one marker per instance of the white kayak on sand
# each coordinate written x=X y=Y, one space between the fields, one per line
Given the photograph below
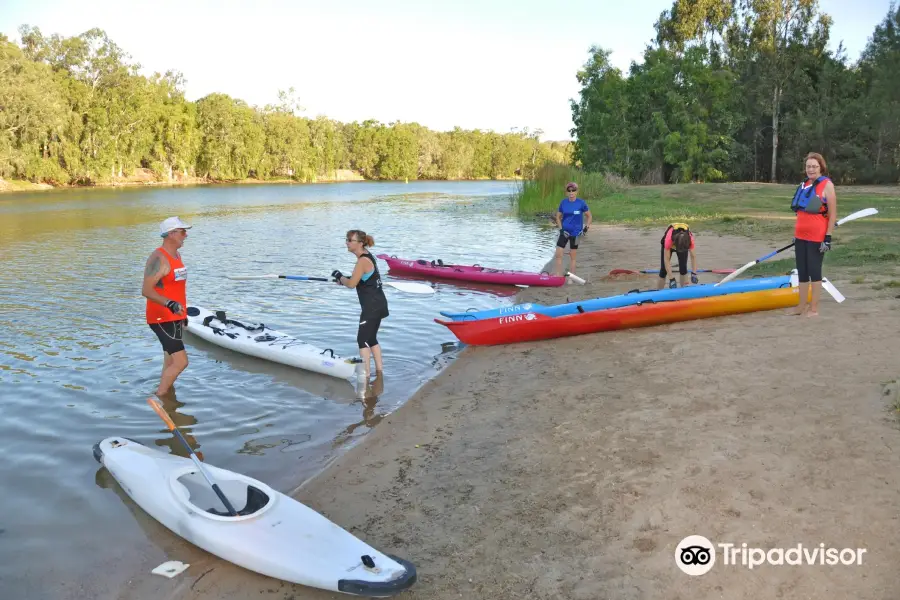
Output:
x=273 y=534
x=261 y=341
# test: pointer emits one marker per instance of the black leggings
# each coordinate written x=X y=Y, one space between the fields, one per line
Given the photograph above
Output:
x=682 y=262
x=368 y=330
x=809 y=260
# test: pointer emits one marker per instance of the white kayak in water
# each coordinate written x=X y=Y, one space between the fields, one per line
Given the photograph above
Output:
x=261 y=341
x=273 y=534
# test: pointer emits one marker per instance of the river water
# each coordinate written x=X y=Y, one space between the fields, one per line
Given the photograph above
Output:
x=77 y=361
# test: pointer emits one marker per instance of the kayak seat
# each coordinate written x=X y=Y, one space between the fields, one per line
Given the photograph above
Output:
x=193 y=488
x=256 y=499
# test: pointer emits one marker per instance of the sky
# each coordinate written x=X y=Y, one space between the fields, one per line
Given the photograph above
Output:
x=476 y=64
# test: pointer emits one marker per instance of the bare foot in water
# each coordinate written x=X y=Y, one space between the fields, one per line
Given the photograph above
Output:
x=812 y=314
x=795 y=312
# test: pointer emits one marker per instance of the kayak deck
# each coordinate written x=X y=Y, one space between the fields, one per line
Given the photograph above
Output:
x=272 y=534
x=630 y=298
x=261 y=341
x=471 y=272
x=532 y=326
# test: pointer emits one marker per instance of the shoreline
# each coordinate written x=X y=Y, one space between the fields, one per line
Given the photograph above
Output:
x=20 y=186
x=572 y=468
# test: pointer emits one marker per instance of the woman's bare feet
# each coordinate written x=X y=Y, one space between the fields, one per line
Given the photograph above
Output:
x=796 y=311
x=812 y=313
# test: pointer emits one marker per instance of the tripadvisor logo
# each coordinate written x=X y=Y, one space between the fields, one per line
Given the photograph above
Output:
x=696 y=555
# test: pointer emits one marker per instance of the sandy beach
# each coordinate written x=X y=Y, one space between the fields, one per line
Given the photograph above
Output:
x=572 y=468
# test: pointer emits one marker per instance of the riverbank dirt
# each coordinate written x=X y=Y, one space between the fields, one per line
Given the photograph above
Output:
x=573 y=468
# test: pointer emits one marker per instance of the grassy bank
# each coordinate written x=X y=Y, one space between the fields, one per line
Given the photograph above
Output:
x=541 y=195
x=15 y=185
x=757 y=210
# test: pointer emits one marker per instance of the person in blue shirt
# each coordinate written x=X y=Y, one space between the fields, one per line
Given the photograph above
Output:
x=570 y=220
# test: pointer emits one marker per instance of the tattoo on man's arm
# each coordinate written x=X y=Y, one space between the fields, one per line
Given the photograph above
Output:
x=152 y=266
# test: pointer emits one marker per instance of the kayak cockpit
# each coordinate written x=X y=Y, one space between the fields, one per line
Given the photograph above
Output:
x=247 y=499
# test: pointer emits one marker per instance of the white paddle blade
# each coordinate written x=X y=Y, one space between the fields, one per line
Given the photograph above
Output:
x=576 y=278
x=866 y=212
x=829 y=287
x=412 y=288
x=242 y=277
x=731 y=276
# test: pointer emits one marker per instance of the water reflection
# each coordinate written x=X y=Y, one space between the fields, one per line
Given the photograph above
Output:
x=449 y=352
x=183 y=422
x=257 y=447
x=265 y=420
x=459 y=287
x=368 y=393
x=316 y=384
x=154 y=531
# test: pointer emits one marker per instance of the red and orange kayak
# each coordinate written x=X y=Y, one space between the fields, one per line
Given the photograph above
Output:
x=528 y=327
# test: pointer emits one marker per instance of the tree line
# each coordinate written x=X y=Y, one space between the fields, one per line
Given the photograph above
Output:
x=743 y=90
x=76 y=110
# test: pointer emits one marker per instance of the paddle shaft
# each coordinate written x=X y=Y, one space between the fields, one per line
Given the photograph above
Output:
x=697 y=271
x=303 y=278
x=213 y=484
x=403 y=286
x=171 y=425
x=755 y=262
x=851 y=217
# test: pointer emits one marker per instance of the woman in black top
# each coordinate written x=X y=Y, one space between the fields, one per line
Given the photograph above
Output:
x=372 y=301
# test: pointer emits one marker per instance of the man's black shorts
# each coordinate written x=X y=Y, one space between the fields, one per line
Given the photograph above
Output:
x=170 y=334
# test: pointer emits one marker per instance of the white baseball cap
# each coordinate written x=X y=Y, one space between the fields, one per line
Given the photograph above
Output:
x=172 y=223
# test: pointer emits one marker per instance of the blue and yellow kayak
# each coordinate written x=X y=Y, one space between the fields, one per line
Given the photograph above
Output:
x=634 y=297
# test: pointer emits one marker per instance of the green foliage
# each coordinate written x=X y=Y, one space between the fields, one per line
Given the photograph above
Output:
x=742 y=91
x=76 y=110
x=542 y=193
x=759 y=211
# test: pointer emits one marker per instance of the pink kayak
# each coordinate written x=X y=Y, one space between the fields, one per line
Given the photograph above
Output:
x=470 y=273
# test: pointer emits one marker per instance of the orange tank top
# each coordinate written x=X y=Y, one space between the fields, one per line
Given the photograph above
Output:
x=174 y=287
x=812 y=227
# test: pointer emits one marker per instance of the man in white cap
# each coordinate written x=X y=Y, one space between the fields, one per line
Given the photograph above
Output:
x=165 y=288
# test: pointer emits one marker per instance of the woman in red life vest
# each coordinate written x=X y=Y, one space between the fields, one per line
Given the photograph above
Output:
x=815 y=203
x=165 y=288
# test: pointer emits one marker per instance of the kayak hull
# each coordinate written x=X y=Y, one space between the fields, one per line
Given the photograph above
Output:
x=261 y=341
x=633 y=297
x=531 y=326
x=280 y=537
x=471 y=273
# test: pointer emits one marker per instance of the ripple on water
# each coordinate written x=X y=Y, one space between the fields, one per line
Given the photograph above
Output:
x=77 y=362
